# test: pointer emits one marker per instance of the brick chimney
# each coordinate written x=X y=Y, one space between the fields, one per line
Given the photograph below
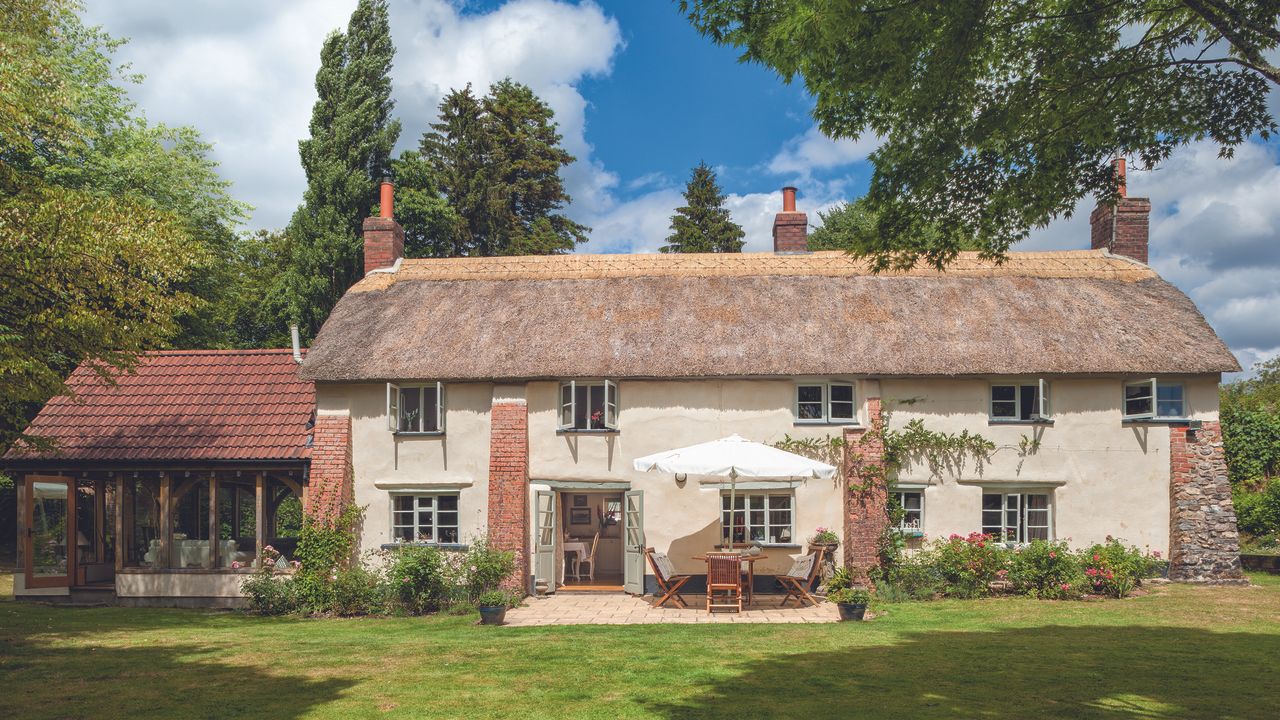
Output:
x=383 y=236
x=790 y=228
x=1122 y=228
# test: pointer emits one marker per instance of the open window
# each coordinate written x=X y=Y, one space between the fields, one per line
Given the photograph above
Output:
x=825 y=402
x=587 y=406
x=415 y=408
x=1021 y=402
x=1151 y=399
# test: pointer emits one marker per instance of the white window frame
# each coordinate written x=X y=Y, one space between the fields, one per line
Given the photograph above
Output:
x=1043 y=405
x=393 y=408
x=899 y=492
x=826 y=418
x=1021 y=509
x=746 y=525
x=1154 y=386
x=610 y=405
x=435 y=511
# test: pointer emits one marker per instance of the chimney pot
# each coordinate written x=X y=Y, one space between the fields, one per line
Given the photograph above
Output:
x=386 y=200
x=1120 y=176
x=788 y=199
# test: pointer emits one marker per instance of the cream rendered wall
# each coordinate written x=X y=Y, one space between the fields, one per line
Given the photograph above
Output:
x=385 y=463
x=1107 y=477
x=656 y=415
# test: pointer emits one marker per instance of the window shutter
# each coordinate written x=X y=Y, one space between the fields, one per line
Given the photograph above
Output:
x=393 y=407
x=1044 y=399
x=610 y=405
x=439 y=406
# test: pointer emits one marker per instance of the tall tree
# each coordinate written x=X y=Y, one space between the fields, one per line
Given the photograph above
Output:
x=346 y=155
x=101 y=215
x=496 y=160
x=999 y=116
x=853 y=227
x=703 y=224
x=1251 y=425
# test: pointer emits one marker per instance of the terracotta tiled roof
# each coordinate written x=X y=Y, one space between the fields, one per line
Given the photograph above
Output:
x=182 y=405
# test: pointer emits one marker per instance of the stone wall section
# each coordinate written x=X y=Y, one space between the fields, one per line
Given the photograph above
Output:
x=1204 y=544
x=509 y=486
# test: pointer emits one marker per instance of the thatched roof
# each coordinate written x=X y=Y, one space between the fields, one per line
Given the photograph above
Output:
x=657 y=316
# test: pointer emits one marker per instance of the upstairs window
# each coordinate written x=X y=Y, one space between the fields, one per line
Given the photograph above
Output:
x=1151 y=400
x=415 y=408
x=1020 y=403
x=588 y=406
x=825 y=403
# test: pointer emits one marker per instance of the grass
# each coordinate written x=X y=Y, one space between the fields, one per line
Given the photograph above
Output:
x=1178 y=652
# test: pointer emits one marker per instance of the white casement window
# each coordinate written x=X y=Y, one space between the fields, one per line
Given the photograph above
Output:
x=912 y=504
x=588 y=405
x=759 y=517
x=1022 y=402
x=825 y=402
x=415 y=408
x=425 y=518
x=1017 y=517
x=1151 y=399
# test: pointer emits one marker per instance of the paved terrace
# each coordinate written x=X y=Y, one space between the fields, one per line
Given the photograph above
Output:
x=590 y=608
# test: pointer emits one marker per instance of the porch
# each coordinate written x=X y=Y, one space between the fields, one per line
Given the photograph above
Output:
x=572 y=608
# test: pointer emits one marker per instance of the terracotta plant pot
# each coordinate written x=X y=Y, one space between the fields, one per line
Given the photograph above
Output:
x=492 y=615
x=851 y=611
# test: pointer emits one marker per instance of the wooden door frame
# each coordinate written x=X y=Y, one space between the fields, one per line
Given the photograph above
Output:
x=28 y=516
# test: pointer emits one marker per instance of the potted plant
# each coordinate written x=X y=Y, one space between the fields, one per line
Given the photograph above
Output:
x=825 y=538
x=852 y=602
x=493 y=606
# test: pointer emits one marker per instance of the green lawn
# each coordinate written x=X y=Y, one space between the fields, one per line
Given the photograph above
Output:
x=1179 y=652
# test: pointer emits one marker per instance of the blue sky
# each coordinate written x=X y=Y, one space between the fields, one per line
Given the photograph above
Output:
x=641 y=98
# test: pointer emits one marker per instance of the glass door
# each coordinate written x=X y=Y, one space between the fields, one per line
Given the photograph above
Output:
x=50 y=529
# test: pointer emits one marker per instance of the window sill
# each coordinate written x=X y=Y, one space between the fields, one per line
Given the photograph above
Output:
x=576 y=431
x=1011 y=421
x=1159 y=421
x=438 y=546
x=909 y=533
x=847 y=423
x=411 y=433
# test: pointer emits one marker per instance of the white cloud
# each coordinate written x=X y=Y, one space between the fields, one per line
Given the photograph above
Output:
x=813 y=150
x=243 y=72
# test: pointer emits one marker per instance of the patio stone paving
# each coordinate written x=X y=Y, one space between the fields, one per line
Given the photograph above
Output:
x=587 y=608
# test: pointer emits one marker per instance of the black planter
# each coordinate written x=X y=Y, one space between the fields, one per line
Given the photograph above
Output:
x=852 y=611
x=492 y=615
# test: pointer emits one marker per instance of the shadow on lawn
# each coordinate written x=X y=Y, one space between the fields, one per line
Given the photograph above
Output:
x=1146 y=672
x=65 y=674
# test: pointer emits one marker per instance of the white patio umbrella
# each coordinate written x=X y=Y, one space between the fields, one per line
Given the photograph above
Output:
x=734 y=457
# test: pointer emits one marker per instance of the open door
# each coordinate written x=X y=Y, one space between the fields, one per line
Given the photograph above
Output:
x=50 y=531
x=544 y=554
x=633 y=542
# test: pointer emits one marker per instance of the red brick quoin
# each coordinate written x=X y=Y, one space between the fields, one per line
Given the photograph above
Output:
x=509 y=486
x=330 y=489
x=865 y=517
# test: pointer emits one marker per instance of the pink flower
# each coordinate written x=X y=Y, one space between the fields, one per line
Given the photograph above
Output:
x=1095 y=557
x=404 y=580
x=1066 y=586
x=1002 y=574
x=235 y=565
x=1156 y=554
x=1053 y=555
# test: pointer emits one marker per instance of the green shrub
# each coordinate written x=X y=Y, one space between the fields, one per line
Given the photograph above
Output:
x=497 y=598
x=269 y=593
x=966 y=566
x=1258 y=513
x=841 y=578
x=1047 y=570
x=418 y=577
x=1114 y=569
x=357 y=590
x=480 y=569
x=850 y=596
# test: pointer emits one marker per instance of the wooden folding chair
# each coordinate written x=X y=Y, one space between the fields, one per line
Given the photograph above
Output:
x=724 y=579
x=797 y=580
x=669 y=582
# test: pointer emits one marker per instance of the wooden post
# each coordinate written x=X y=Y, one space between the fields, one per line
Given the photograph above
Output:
x=121 y=547
x=260 y=518
x=164 y=559
x=99 y=520
x=24 y=526
x=214 y=534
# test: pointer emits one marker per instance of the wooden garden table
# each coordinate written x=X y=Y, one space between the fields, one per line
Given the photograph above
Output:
x=750 y=560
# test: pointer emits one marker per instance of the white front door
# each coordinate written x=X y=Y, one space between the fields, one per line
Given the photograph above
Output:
x=633 y=542
x=544 y=554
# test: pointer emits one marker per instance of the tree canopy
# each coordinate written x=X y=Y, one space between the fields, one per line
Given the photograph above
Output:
x=108 y=225
x=496 y=161
x=997 y=117
x=1250 y=414
x=702 y=224
x=345 y=157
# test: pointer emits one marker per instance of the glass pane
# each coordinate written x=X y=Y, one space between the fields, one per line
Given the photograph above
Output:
x=404 y=502
x=912 y=500
x=447 y=502
x=86 y=521
x=756 y=518
x=779 y=501
x=1037 y=533
x=1169 y=392
x=448 y=535
x=842 y=393
x=49 y=514
x=425 y=518
x=1004 y=409
x=410 y=409
x=1037 y=502
x=810 y=411
x=189 y=509
x=757 y=534
x=841 y=410
x=1003 y=392
x=809 y=406
x=430 y=410
x=237 y=519
x=404 y=534
x=1029 y=402
x=141 y=506
x=580 y=411
x=447 y=519
x=566 y=409
x=597 y=407
x=810 y=393
x=1141 y=406
x=991 y=502
x=757 y=502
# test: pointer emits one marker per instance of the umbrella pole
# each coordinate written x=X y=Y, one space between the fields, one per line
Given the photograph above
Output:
x=733 y=504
